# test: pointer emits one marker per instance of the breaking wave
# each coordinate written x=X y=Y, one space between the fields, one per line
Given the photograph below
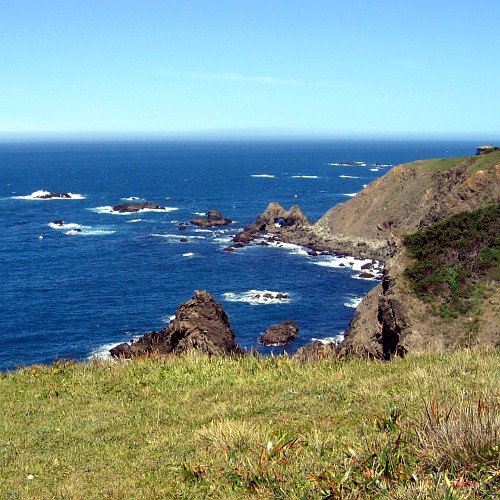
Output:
x=257 y=297
x=47 y=195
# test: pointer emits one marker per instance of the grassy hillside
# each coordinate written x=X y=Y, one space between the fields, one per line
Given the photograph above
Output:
x=486 y=162
x=455 y=260
x=198 y=427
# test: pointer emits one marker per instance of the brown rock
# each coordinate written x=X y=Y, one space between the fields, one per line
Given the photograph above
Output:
x=200 y=324
x=135 y=207
x=280 y=334
x=214 y=219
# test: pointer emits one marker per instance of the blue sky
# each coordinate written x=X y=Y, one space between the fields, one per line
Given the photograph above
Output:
x=250 y=67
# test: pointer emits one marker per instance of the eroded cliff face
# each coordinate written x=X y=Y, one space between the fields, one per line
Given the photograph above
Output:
x=391 y=320
x=408 y=198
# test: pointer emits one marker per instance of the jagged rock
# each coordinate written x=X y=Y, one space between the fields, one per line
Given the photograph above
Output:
x=279 y=334
x=135 y=207
x=274 y=219
x=200 y=324
x=214 y=219
x=58 y=222
x=316 y=350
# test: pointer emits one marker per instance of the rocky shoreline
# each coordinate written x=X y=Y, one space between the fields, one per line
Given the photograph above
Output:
x=390 y=320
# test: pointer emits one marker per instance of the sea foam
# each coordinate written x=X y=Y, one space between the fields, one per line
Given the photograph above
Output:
x=257 y=297
x=36 y=195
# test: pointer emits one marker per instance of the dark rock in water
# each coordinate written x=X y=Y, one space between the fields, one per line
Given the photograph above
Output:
x=246 y=236
x=366 y=276
x=200 y=324
x=280 y=334
x=58 y=222
x=135 y=207
x=229 y=249
x=316 y=350
x=182 y=228
x=214 y=219
x=48 y=196
x=368 y=265
x=184 y=240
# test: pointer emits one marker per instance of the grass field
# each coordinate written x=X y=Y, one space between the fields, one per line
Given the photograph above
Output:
x=487 y=162
x=199 y=427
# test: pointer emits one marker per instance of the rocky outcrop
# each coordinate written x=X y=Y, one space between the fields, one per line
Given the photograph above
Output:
x=274 y=220
x=200 y=324
x=135 y=207
x=280 y=334
x=214 y=219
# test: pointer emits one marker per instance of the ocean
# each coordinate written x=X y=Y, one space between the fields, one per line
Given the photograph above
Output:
x=102 y=278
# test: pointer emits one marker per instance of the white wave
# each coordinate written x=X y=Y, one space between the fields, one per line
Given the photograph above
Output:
x=349 y=194
x=257 y=297
x=223 y=239
x=97 y=232
x=334 y=164
x=102 y=352
x=109 y=210
x=37 y=195
x=178 y=236
x=305 y=177
x=349 y=177
x=201 y=214
x=374 y=169
x=66 y=226
x=189 y=254
x=293 y=249
x=134 y=220
x=353 y=302
x=330 y=340
x=132 y=198
x=350 y=262
x=263 y=175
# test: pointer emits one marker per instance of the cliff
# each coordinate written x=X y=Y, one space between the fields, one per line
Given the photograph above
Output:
x=392 y=319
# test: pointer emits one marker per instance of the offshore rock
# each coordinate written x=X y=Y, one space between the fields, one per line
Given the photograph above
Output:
x=272 y=221
x=200 y=324
x=48 y=196
x=214 y=219
x=280 y=334
x=135 y=207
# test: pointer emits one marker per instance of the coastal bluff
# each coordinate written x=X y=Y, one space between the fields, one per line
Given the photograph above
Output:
x=391 y=319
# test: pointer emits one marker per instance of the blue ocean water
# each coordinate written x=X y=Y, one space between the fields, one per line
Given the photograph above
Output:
x=73 y=294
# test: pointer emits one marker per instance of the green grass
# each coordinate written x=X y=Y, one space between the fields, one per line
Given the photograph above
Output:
x=199 y=427
x=473 y=163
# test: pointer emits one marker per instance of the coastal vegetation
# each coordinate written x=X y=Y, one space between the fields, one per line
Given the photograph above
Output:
x=193 y=426
x=455 y=261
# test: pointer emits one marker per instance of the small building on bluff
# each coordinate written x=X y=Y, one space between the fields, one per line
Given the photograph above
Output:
x=483 y=150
